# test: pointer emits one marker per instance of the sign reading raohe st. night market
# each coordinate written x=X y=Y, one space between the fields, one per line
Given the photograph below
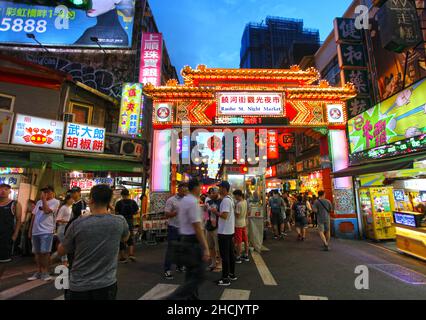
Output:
x=400 y=117
x=63 y=24
x=81 y=137
x=250 y=104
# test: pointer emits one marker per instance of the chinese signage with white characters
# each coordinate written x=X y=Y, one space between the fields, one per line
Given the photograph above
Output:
x=250 y=104
x=163 y=112
x=151 y=58
x=6 y=122
x=87 y=184
x=38 y=132
x=81 y=137
x=12 y=180
x=131 y=109
x=335 y=113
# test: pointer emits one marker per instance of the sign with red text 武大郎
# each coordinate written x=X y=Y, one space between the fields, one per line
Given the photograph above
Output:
x=151 y=58
x=81 y=137
x=260 y=104
x=38 y=132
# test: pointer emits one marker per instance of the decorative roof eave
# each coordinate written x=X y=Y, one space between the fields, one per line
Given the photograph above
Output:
x=172 y=90
x=323 y=91
x=294 y=74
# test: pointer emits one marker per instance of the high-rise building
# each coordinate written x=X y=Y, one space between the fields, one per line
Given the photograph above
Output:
x=277 y=43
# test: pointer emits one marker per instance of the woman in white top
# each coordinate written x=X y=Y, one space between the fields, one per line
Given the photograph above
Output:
x=62 y=219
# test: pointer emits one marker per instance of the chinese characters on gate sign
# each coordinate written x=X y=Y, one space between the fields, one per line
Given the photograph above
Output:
x=250 y=104
x=81 y=137
x=151 y=59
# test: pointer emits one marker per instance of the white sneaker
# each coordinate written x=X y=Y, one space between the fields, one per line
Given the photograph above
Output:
x=45 y=277
x=35 y=276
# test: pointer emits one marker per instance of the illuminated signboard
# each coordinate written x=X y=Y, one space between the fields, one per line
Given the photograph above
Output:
x=131 y=109
x=273 y=151
x=38 y=132
x=400 y=117
x=151 y=58
x=11 y=170
x=411 y=145
x=87 y=184
x=250 y=104
x=271 y=172
x=81 y=137
x=404 y=219
x=250 y=121
x=109 y=21
x=6 y=123
x=12 y=180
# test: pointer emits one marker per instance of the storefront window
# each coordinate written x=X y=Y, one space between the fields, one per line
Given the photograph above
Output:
x=83 y=113
x=6 y=102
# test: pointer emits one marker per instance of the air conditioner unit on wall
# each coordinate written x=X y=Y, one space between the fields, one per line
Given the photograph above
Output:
x=130 y=148
x=69 y=117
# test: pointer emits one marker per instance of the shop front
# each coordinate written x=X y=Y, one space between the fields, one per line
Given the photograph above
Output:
x=388 y=152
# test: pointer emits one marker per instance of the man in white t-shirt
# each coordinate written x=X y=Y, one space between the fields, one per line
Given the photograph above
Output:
x=225 y=233
x=193 y=251
x=42 y=228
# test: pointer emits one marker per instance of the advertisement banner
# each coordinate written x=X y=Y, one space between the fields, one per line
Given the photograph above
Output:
x=6 y=123
x=81 y=137
x=12 y=180
x=250 y=104
x=110 y=22
x=38 y=132
x=131 y=109
x=151 y=58
x=401 y=117
x=273 y=148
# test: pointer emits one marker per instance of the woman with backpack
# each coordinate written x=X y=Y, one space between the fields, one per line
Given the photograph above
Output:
x=300 y=214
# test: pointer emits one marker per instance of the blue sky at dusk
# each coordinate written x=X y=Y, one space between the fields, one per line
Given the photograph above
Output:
x=209 y=31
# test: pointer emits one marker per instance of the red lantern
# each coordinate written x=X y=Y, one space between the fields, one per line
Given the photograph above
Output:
x=286 y=140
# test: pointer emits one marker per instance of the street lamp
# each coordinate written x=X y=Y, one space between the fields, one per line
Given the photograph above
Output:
x=96 y=40
x=33 y=37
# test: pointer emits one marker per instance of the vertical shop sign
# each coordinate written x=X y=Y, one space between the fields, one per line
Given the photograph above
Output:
x=151 y=59
x=131 y=109
x=273 y=152
x=353 y=63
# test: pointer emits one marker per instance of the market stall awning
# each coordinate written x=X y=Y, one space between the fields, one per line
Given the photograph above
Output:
x=381 y=166
x=18 y=160
x=70 y=163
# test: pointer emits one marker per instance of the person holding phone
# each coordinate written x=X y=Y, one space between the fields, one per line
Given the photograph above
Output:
x=323 y=208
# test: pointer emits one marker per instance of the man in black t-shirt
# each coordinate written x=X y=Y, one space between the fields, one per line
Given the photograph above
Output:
x=127 y=208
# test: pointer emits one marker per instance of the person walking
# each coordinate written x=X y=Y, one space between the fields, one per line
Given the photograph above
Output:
x=314 y=214
x=62 y=219
x=241 y=209
x=10 y=225
x=172 y=213
x=127 y=208
x=211 y=225
x=300 y=215
x=192 y=251
x=226 y=230
x=95 y=242
x=277 y=211
x=323 y=209
x=42 y=229
x=288 y=219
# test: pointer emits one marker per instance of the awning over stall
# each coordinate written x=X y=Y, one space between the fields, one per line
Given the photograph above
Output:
x=71 y=163
x=380 y=166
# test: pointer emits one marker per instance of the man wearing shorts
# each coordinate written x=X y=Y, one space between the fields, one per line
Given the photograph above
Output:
x=323 y=208
x=241 y=227
x=42 y=229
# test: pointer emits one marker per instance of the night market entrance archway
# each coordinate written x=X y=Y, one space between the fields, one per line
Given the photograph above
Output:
x=267 y=100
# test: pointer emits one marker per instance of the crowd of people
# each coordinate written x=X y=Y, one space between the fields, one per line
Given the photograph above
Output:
x=205 y=234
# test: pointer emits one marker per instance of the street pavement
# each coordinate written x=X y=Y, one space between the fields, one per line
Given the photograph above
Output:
x=290 y=270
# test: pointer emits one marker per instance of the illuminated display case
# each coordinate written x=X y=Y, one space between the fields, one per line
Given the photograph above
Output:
x=377 y=206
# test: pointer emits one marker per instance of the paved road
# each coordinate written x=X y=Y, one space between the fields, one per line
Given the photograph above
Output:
x=289 y=271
